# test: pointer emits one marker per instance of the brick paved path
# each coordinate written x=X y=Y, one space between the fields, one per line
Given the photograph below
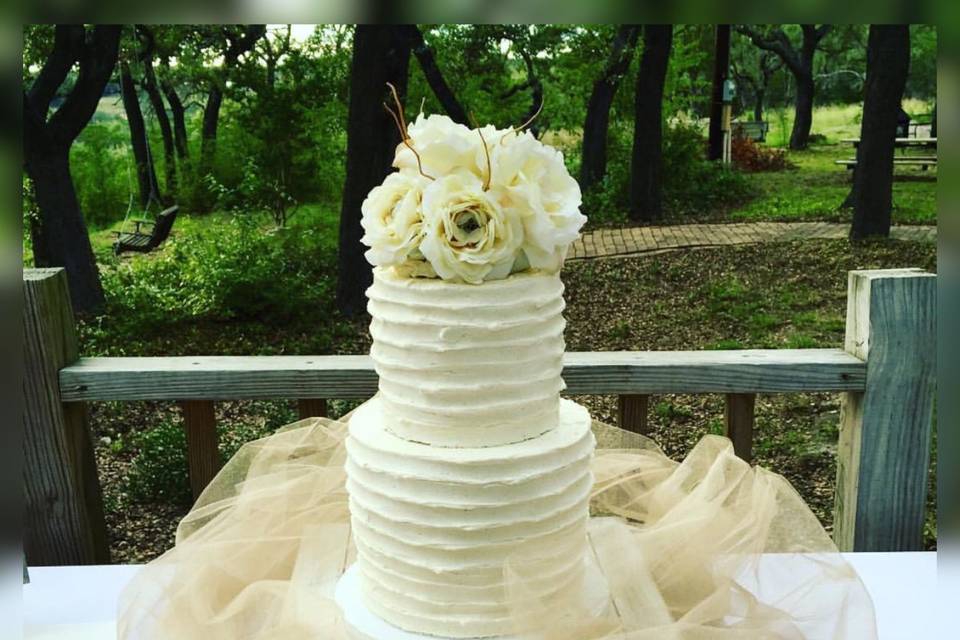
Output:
x=638 y=240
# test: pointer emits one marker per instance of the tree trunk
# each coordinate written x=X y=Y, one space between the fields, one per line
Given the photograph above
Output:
x=208 y=131
x=888 y=62
x=60 y=236
x=721 y=64
x=178 y=111
x=593 y=163
x=380 y=55
x=433 y=74
x=146 y=175
x=802 y=111
x=646 y=193
x=758 y=105
x=152 y=88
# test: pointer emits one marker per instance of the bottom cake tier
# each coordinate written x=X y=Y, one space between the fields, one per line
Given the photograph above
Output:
x=440 y=530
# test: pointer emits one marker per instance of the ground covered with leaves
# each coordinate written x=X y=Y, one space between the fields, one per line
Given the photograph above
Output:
x=762 y=296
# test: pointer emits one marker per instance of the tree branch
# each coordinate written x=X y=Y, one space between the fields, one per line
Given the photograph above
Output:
x=97 y=61
x=67 y=47
x=777 y=42
x=435 y=78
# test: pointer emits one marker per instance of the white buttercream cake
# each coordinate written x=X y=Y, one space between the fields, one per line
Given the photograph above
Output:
x=468 y=456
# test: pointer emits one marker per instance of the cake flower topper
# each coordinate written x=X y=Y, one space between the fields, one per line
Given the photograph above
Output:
x=470 y=204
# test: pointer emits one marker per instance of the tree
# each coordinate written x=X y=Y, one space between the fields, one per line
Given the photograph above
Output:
x=146 y=174
x=800 y=64
x=233 y=42
x=721 y=65
x=755 y=75
x=380 y=55
x=60 y=235
x=593 y=164
x=152 y=87
x=888 y=62
x=433 y=74
x=646 y=167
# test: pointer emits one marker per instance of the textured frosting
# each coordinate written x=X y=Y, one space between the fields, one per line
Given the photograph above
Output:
x=464 y=365
x=434 y=526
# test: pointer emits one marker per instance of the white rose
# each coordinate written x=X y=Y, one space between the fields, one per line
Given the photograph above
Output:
x=444 y=147
x=533 y=180
x=467 y=234
x=391 y=219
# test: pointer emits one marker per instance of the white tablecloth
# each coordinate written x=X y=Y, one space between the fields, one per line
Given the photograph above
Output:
x=74 y=603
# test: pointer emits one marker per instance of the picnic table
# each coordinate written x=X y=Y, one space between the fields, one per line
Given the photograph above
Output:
x=928 y=159
x=80 y=603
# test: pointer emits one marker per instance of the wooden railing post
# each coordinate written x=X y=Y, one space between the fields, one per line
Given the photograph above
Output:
x=203 y=450
x=739 y=418
x=883 y=455
x=632 y=412
x=312 y=408
x=64 y=523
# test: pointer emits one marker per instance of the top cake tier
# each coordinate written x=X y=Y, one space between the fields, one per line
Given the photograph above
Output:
x=465 y=365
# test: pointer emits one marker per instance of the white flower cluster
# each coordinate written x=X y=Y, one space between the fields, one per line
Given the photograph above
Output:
x=459 y=211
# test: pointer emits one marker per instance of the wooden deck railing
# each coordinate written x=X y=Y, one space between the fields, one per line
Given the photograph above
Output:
x=885 y=373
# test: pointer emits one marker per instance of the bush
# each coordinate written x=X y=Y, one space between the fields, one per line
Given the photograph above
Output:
x=101 y=170
x=158 y=471
x=691 y=184
x=751 y=157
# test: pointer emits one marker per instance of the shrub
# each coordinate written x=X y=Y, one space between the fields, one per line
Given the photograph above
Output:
x=158 y=471
x=692 y=184
x=751 y=157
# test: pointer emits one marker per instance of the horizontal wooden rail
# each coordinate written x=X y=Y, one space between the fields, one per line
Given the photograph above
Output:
x=613 y=372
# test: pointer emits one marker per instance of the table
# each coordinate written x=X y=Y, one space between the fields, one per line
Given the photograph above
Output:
x=79 y=603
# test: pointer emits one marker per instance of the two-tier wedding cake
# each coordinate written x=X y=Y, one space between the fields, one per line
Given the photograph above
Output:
x=468 y=456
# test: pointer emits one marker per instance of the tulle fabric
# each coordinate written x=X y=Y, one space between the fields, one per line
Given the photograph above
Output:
x=705 y=548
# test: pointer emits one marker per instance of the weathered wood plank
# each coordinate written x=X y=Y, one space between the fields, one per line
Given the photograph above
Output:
x=632 y=412
x=203 y=454
x=739 y=417
x=883 y=455
x=312 y=408
x=64 y=523
x=614 y=372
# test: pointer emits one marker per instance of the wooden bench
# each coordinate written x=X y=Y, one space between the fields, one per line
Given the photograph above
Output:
x=143 y=241
x=754 y=130
x=922 y=161
x=884 y=373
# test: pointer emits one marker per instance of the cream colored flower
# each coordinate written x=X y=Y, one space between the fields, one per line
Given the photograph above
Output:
x=533 y=183
x=391 y=219
x=444 y=147
x=467 y=234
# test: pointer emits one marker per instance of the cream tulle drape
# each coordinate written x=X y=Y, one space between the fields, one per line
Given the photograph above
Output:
x=705 y=548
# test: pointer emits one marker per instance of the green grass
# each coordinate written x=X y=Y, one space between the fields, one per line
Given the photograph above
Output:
x=815 y=187
x=834 y=122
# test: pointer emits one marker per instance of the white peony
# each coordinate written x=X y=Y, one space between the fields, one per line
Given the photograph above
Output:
x=444 y=147
x=534 y=184
x=467 y=234
x=391 y=219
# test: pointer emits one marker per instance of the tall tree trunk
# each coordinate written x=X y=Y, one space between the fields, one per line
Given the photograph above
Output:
x=178 y=111
x=433 y=74
x=646 y=193
x=888 y=62
x=380 y=55
x=208 y=129
x=758 y=105
x=721 y=65
x=802 y=111
x=60 y=236
x=593 y=163
x=146 y=175
x=152 y=88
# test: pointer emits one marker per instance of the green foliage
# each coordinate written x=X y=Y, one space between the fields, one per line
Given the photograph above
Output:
x=102 y=172
x=158 y=471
